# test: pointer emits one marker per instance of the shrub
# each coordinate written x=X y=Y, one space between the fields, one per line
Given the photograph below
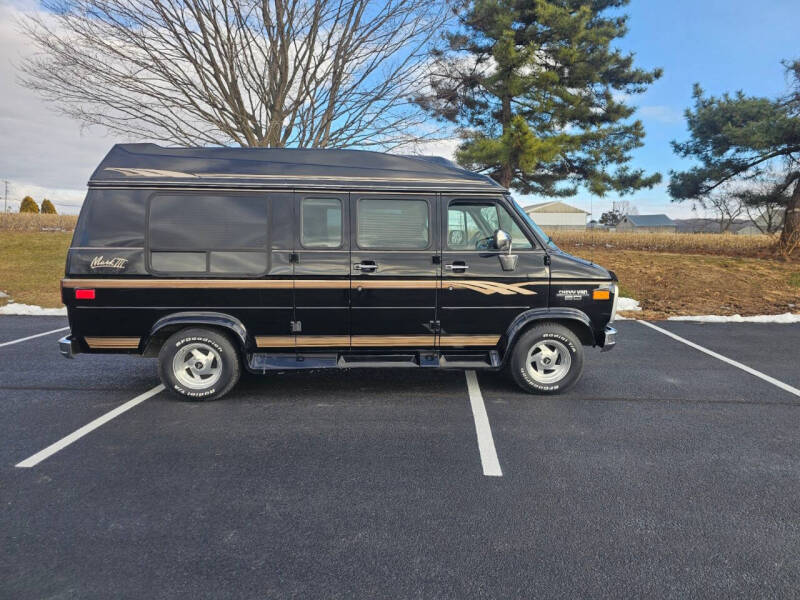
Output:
x=28 y=205
x=48 y=208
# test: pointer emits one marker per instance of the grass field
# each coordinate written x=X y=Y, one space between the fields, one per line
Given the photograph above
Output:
x=669 y=274
x=31 y=266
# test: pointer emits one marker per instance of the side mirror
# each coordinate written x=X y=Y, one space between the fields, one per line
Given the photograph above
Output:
x=502 y=240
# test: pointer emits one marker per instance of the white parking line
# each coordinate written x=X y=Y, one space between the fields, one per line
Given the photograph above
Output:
x=89 y=427
x=759 y=374
x=30 y=337
x=489 y=462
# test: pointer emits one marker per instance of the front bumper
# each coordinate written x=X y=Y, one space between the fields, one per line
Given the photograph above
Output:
x=609 y=338
x=68 y=347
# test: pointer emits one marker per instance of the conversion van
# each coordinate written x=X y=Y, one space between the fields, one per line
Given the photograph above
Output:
x=216 y=260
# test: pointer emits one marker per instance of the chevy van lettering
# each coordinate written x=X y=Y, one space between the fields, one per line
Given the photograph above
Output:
x=210 y=258
x=572 y=294
x=101 y=262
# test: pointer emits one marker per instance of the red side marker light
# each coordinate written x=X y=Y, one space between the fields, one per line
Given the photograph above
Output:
x=84 y=294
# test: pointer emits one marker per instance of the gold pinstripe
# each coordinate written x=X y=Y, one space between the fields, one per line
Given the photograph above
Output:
x=476 y=285
x=366 y=341
x=112 y=342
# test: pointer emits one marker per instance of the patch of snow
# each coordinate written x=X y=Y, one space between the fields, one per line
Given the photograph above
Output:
x=627 y=304
x=4 y=295
x=32 y=310
x=784 y=318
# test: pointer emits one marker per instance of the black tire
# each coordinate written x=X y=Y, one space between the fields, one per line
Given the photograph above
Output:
x=556 y=338
x=221 y=366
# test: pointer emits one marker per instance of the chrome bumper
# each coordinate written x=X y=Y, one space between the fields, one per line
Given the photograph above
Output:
x=68 y=347
x=609 y=338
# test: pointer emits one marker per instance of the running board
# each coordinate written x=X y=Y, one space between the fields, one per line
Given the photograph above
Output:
x=262 y=362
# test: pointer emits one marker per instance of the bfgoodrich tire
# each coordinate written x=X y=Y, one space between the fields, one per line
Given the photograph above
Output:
x=199 y=364
x=547 y=359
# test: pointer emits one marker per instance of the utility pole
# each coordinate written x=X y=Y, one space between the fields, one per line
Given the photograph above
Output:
x=5 y=204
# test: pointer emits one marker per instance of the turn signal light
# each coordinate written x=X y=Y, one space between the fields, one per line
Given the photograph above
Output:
x=601 y=295
x=84 y=294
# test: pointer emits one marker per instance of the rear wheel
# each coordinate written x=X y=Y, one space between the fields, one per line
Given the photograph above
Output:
x=199 y=364
x=547 y=359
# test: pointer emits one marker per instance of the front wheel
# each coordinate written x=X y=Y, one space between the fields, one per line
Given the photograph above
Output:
x=547 y=359
x=199 y=364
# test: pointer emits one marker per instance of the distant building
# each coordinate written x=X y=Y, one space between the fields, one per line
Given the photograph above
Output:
x=647 y=223
x=557 y=215
x=697 y=225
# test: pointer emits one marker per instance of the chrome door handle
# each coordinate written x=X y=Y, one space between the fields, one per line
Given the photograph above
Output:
x=456 y=267
x=366 y=268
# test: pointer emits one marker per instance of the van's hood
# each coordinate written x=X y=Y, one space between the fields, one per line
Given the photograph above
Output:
x=565 y=266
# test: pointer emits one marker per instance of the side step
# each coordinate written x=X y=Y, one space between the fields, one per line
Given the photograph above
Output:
x=349 y=361
x=281 y=362
x=262 y=362
x=484 y=360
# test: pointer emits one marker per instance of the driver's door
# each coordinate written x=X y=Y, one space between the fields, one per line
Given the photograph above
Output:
x=478 y=299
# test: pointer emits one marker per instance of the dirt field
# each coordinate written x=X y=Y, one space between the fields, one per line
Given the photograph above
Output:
x=752 y=246
x=668 y=284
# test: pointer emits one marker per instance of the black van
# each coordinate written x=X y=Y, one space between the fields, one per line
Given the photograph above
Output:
x=219 y=259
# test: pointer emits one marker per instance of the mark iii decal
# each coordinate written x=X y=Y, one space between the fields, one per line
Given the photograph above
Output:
x=101 y=262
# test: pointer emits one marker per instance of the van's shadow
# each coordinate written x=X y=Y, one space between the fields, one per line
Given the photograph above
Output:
x=343 y=385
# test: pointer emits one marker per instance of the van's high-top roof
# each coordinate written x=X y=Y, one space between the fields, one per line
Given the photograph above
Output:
x=150 y=165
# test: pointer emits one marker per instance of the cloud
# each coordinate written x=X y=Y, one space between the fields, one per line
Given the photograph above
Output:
x=42 y=153
x=445 y=148
x=661 y=113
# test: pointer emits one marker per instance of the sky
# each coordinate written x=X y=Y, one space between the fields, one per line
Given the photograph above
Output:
x=725 y=45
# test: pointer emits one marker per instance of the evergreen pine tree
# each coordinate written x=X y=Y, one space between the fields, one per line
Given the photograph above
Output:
x=539 y=94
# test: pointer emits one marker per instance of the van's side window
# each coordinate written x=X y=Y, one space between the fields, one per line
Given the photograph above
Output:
x=393 y=224
x=321 y=222
x=113 y=218
x=470 y=226
x=211 y=234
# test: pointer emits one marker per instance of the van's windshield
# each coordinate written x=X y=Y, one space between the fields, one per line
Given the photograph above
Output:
x=542 y=235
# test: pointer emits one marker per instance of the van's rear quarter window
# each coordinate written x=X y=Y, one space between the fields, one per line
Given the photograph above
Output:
x=195 y=222
x=215 y=234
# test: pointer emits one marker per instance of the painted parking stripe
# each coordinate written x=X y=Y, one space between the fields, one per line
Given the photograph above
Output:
x=88 y=428
x=489 y=462
x=730 y=361
x=30 y=337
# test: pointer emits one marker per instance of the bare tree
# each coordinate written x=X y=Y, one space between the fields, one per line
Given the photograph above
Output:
x=269 y=73
x=624 y=207
x=765 y=199
x=727 y=205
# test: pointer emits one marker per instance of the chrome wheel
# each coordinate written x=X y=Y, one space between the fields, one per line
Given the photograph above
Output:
x=197 y=366
x=548 y=361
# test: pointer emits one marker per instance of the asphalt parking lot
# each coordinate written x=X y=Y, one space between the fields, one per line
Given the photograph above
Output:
x=666 y=472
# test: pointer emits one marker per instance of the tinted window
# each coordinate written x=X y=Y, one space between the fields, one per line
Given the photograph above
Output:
x=178 y=262
x=321 y=220
x=221 y=235
x=111 y=218
x=248 y=263
x=470 y=226
x=393 y=224
x=194 y=222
